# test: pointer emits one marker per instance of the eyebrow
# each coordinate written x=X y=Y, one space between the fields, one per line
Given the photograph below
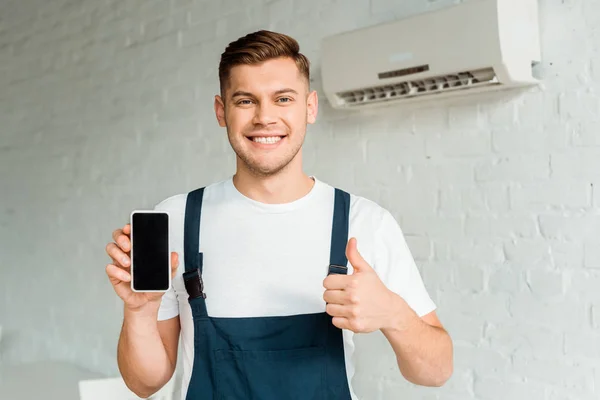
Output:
x=240 y=93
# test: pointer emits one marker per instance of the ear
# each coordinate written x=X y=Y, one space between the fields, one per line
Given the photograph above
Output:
x=220 y=111
x=312 y=107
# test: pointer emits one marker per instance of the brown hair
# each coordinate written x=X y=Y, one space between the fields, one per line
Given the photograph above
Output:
x=258 y=47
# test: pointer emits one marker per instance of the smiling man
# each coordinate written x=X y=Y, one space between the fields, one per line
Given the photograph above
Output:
x=291 y=268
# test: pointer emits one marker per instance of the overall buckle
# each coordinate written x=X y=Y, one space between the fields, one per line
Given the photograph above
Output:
x=194 y=285
x=337 y=269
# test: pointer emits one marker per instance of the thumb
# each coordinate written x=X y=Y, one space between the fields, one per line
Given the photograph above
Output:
x=358 y=262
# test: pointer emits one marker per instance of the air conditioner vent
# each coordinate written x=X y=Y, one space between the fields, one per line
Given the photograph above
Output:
x=418 y=87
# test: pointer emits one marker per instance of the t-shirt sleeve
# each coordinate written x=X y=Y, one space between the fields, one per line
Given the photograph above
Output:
x=396 y=267
x=169 y=306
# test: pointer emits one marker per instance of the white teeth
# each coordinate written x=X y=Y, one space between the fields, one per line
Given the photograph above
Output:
x=267 y=140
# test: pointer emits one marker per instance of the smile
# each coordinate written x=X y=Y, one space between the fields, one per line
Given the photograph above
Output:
x=266 y=139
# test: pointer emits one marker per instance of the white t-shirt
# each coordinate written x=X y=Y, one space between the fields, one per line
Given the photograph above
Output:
x=271 y=259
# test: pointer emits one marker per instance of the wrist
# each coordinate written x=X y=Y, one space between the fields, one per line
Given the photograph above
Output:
x=144 y=312
x=402 y=318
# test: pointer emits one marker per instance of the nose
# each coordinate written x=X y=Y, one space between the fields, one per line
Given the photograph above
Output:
x=265 y=114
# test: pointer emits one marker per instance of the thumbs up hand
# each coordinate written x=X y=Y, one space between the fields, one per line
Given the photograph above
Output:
x=359 y=302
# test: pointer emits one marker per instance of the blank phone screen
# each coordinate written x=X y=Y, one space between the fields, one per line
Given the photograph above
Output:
x=150 y=251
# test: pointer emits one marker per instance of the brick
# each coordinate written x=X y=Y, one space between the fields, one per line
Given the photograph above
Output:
x=477 y=253
x=527 y=139
x=569 y=394
x=558 y=314
x=506 y=278
x=401 y=196
x=199 y=33
x=595 y=194
x=582 y=345
x=556 y=373
x=464 y=117
x=550 y=195
x=537 y=108
x=430 y=121
x=460 y=173
x=204 y=11
x=500 y=388
x=501 y=113
x=518 y=168
x=526 y=341
x=456 y=143
x=404 y=148
x=165 y=25
x=585 y=285
x=469 y=277
x=578 y=105
x=485 y=361
x=528 y=253
x=492 y=307
x=432 y=225
x=595 y=316
x=567 y=255
x=579 y=165
x=280 y=10
x=153 y=9
x=586 y=134
x=591 y=254
x=478 y=226
x=569 y=227
x=233 y=25
x=546 y=283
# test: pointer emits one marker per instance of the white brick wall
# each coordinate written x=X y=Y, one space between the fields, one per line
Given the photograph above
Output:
x=107 y=105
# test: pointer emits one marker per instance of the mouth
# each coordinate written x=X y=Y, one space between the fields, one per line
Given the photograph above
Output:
x=266 y=140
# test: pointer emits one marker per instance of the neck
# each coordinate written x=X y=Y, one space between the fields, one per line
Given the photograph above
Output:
x=288 y=185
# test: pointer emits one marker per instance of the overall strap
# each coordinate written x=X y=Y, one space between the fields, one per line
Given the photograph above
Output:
x=191 y=231
x=339 y=233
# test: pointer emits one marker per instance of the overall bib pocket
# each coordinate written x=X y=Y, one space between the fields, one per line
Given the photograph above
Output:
x=271 y=374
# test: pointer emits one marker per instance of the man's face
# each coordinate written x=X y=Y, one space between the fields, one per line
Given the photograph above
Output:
x=266 y=108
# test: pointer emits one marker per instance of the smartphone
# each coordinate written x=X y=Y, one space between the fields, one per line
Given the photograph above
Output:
x=150 y=255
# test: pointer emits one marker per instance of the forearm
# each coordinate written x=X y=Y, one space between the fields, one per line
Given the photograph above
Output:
x=141 y=354
x=424 y=352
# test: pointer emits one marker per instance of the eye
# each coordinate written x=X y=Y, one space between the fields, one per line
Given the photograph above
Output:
x=284 y=99
x=244 y=102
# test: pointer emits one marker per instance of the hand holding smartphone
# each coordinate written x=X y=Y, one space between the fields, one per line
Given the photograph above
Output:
x=150 y=255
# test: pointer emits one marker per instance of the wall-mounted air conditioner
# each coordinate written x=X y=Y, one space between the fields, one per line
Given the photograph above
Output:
x=476 y=46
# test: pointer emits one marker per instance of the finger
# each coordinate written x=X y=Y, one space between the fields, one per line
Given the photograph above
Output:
x=118 y=255
x=336 y=297
x=341 y=322
x=336 y=281
x=355 y=258
x=338 y=310
x=127 y=229
x=117 y=274
x=122 y=240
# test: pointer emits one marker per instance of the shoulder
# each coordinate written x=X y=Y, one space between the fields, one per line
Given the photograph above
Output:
x=176 y=203
x=370 y=219
x=361 y=206
x=367 y=213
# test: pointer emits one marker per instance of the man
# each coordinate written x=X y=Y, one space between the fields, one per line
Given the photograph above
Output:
x=285 y=286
